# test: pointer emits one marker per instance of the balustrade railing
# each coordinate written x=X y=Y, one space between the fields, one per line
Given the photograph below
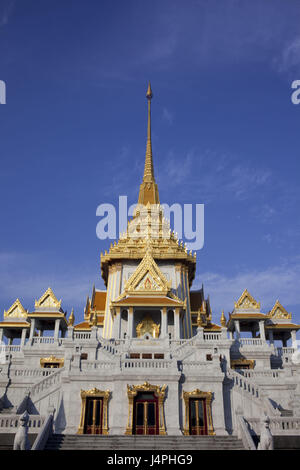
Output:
x=274 y=374
x=10 y=422
x=52 y=379
x=82 y=335
x=145 y=364
x=212 y=336
x=284 y=351
x=26 y=372
x=279 y=425
x=90 y=365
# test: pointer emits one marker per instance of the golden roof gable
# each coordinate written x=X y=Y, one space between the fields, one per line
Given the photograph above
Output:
x=48 y=300
x=279 y=312
x=16 y=311
x=247 y=302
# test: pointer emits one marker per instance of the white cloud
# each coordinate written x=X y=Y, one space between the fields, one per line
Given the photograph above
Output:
x=289 y=59
x=6 y=10
x=168 y=116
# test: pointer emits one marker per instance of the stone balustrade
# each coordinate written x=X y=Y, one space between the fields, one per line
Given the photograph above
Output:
x=86 y=335
x=9 y=423
x=274 y=374
x=52 y=379
x=145 y=364
x=279 y=425
x=284 y=351
x=34 y=372
x=212 y=336
x=91 y=365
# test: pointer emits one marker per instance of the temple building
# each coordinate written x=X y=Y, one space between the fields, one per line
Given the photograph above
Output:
x=147 y=359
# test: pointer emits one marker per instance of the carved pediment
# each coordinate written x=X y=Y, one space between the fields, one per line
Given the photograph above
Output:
x=278 y=311
x=48 y=300
x=16 y=311
x=247 y=302
x=147 y=278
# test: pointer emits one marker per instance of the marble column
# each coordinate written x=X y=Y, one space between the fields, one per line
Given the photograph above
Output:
x=237 y=329
x=262 y=330
x=130 y=323
x=23 y=336
x=56 y=328
x=164 y=322
x=177 y=323
x=32 y=328
x=294 y=339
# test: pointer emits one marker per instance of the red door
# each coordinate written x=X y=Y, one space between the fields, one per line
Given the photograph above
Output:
x=145 y=414
x=198 y=416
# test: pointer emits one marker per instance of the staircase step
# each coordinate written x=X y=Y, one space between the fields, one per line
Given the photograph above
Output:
x=96 y=442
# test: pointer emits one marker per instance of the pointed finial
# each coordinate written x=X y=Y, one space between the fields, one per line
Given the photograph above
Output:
x=149 y=93
x=223 y=319
x=71 y=318
x=148 y=189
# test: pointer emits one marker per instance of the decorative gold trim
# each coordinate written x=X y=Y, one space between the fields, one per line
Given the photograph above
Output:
x=132 y=391
x=94 y=392
x=246 y=301
x=208 y=399
x=52 y=360
x=147 y=278
x=242 y=362
x=16 y=311
x=278 y=311
x=52 y=300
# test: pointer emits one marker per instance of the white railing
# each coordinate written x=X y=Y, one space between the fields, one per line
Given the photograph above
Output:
x=145 y=364
x=251 y=342
x=45 y=340
x=31 y=372
x=284 y=351
x=10 y=349
x=183 y=346
x=192 y=365
x=279 y=425
x=52 y=379
x=274 y=374
x=244 y=385
x=82 y=335
x=10 y=423
x=212 y=336
x=90 y=365
x=109 y=346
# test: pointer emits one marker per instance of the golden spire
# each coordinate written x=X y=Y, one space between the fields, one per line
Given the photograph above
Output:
x=223 y=319
x=71 y=318
x=148 y=188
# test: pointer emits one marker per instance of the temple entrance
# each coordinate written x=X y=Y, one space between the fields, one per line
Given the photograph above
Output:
x=93 y=416
x=145 y=416
x=198 y=416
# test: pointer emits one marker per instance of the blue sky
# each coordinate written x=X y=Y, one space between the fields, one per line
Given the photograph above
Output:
x=225 y=133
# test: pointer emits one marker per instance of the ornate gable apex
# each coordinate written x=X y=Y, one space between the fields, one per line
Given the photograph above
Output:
x=16 y=311
x=147 y=278
x=279 y=312
x=48 y=300
x=247 y=302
